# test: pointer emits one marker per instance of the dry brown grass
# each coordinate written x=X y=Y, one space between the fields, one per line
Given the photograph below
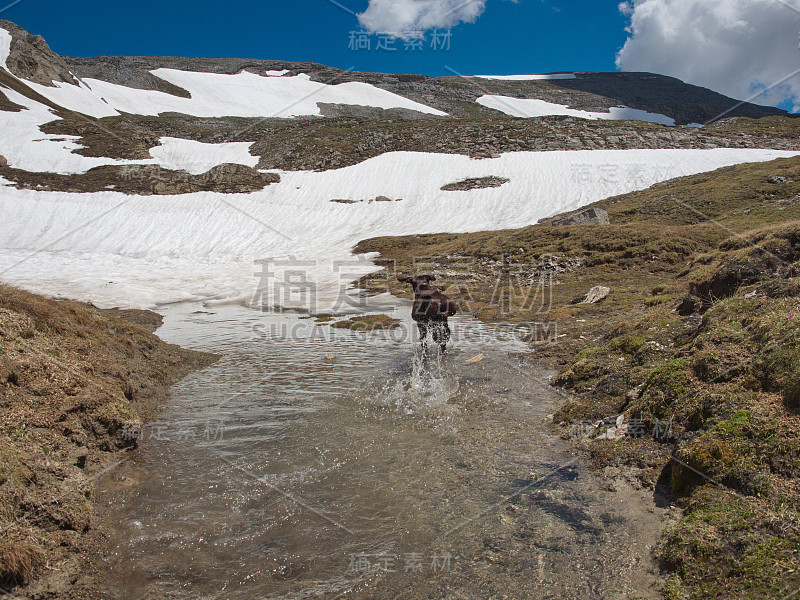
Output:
x=71 y=380
x=19 y=560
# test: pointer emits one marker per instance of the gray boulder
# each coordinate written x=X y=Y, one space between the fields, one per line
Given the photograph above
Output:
x=585 y=216
x=596 y=294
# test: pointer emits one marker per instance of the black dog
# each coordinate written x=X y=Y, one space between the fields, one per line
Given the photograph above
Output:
x=431 y=309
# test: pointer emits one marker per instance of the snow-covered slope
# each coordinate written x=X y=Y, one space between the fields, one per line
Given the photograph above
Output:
x=5 y=46
x=25 y=147
x=215 y=95
x=141 y=251
x=198 y=157
x=527 y=107
x=126 y=250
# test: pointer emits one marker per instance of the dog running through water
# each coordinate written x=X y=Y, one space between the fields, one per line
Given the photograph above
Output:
x=431 y=309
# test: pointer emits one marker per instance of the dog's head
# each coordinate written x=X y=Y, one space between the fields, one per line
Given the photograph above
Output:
x=418 y=282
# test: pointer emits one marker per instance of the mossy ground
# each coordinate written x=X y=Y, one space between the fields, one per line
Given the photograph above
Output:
x=724 y=373
x=367 y=323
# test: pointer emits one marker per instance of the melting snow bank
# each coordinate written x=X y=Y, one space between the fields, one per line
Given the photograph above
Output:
x=118 y=250
x=25 y=146
x=529 y=107
x=217 y=95
x=199 y=157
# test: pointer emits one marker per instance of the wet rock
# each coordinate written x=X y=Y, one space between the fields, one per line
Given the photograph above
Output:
x=597 y=294
x=587 y=216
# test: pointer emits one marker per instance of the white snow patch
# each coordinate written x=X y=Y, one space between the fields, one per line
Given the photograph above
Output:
x=199 y=157
x=530 y=107
x=26 y=147
x=118 y=250
x=247 y=95
x=5 y=46
x=277 y=73
x=80 y=98
x=217 y=95
x=545 y=77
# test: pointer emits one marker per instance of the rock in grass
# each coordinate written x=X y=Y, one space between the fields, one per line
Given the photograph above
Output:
x=587 y=216
x=596 y=294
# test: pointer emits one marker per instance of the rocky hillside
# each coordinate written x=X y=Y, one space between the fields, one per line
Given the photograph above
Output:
x=93 y=103
x=455 y=95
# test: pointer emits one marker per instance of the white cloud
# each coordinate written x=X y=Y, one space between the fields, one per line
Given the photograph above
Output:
x=735 y=47
x=403 y=18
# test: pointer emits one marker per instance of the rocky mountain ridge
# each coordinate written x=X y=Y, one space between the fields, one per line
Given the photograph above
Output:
x=347 y=134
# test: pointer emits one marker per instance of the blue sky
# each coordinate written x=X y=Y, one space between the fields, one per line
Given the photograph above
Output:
x=529 y=36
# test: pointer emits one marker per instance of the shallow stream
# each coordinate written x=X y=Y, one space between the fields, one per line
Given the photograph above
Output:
x=316 y=462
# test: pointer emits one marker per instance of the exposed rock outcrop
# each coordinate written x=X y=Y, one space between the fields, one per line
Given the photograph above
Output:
x=475 y=183
x=592 y=215
x=146 y=180
x=32 y=59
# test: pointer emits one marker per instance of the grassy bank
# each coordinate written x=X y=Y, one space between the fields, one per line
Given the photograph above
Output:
x=696 y=346
x=73 y=381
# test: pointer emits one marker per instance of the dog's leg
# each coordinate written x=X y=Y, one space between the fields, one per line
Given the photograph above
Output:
x=444 y=336
x=440 y=333
x=423 y=333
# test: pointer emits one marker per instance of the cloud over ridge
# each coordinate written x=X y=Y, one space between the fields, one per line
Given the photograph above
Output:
x=735 y=47
x=403 y=18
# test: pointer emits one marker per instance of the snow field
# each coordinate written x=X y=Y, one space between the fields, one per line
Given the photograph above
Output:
x=119 y=250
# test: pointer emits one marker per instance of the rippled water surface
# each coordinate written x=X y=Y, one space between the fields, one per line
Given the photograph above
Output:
x=314 y=462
